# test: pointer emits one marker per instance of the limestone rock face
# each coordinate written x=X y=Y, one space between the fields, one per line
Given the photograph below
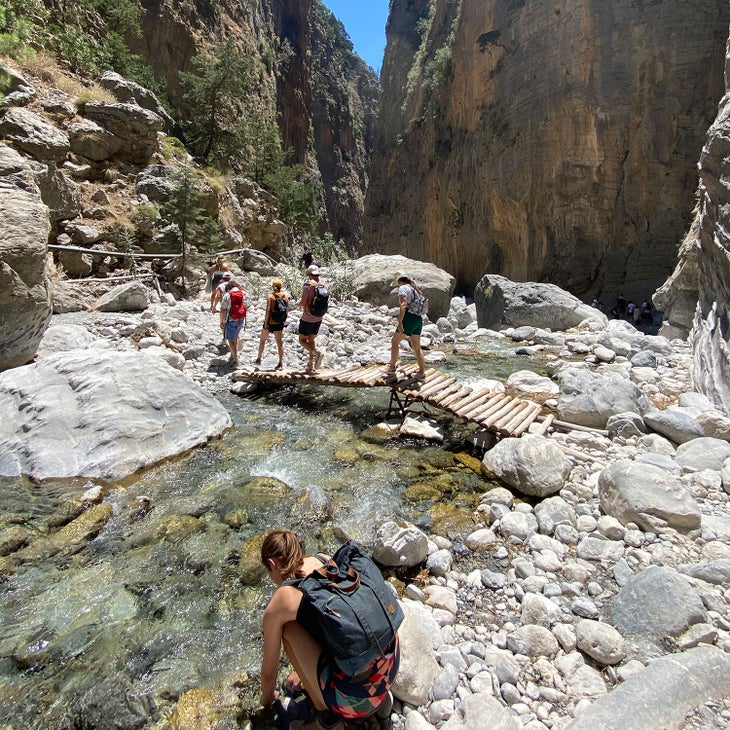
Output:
x=544 y=141
x=374 y=274
x=134 y=128
x=25 y=302
x=325 y=96
x=33 y=135
x=100 y=414
x=501 y=302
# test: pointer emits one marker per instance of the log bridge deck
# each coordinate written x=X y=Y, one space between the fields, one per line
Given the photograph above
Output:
x=494 y=411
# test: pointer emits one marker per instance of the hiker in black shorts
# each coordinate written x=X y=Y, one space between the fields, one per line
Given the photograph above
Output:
x=273 y=322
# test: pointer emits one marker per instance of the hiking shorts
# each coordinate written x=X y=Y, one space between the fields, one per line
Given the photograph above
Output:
x=309 y=328
x=233 y=328
x=412 y=324
x=274 y=326
x=358 y=698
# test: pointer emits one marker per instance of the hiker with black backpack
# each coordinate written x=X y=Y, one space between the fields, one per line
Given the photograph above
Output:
x=337 y=620
x=314 y=302
x=277 y=310
x=412 y=307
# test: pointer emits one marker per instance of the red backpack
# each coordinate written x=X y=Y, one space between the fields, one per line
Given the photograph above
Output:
x=238 y=305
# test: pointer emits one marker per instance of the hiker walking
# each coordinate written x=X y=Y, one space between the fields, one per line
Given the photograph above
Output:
x=219 y=290
x=410 y=323
x=233 y=317
x=314 y=302
x=215 y=277
x=277 y=304
x=292 y=618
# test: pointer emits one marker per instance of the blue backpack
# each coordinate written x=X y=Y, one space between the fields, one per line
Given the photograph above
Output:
x=357 y=611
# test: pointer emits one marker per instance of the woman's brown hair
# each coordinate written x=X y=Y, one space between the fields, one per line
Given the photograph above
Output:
x=285 y=548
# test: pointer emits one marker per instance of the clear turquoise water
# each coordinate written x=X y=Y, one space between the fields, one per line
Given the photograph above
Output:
x=109 y=634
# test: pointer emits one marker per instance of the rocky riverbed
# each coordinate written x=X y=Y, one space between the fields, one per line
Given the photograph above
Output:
x=593 y=589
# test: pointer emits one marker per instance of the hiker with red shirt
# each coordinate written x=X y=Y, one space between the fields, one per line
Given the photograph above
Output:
x=233 y=317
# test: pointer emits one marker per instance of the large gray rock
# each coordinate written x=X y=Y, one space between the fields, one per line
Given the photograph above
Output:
x=702 y=453
x=589 y=399
x=648 y=496
x=418 y=666
x=34 y=135
x=91 y=141
x=130 y=297
x=533 y=464
x=400 y=544
x=17 y=91
x=125 y=90
x=100 y=415
x=661 y=696
x=481 y=711
x=675 y=425
x=156 y=182
x=658 y=603
x=135 y=127
x=25 y=303
x=374 y=274
x=503 y=303
x=61 y=194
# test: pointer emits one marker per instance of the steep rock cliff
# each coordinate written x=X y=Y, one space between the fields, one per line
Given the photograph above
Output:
x=553 y=141
x=701 y=281
x=323 y=96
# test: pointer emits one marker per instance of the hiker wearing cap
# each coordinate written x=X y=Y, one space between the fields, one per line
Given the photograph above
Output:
x=409 y=325
x=292 y=619
x=311 y=318
x=274 y=321
x=220 y=289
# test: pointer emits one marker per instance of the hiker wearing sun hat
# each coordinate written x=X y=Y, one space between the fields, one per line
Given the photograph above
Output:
x=410 y=323
x=314 y=302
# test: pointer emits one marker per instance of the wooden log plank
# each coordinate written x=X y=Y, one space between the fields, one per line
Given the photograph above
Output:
x=474 y=410
x=458 y=399
x=567 y=426
x=496 y=415
x=444 y=395
x=486 y=409
x=437 y=385
x=521 y=427
x=544 y=426
x=507 y=423
x=116 y=254
x=514 y=412
x=474 y=402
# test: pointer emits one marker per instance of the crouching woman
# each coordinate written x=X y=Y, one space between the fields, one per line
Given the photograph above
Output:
x=291 y=621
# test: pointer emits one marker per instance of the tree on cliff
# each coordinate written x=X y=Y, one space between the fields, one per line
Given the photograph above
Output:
x=218 y=91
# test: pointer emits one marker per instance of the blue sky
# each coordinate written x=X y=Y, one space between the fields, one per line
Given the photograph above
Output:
x=364 y=21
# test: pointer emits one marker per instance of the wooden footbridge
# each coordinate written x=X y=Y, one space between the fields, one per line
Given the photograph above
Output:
x=498 y=412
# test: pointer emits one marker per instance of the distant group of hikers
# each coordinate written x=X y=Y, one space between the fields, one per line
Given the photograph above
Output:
x=228 y=298
x=628 y=311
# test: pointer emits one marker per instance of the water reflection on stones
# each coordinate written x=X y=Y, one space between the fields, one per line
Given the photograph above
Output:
x=149 y=603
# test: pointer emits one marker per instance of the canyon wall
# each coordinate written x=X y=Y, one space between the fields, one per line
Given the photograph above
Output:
x=553 y=141
x=323 y=96
x=696 y=298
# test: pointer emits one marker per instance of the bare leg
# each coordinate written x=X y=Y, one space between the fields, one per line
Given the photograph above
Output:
x=303 y=652
x=262 y=343
x=279 y=337
x=398 y=337
x=415 y=341
x=307 y=342
x=233 y=344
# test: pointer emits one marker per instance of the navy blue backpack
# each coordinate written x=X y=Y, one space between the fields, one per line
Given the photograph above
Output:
x=357 y=611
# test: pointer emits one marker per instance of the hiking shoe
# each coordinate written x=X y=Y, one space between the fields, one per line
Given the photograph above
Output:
x=257 y=361
x=319 y=721
x=420 y=376
x=318 y=359
x=279 y=367
x=232 y=361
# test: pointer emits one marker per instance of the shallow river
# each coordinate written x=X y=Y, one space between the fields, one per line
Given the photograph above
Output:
x=108 y=633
